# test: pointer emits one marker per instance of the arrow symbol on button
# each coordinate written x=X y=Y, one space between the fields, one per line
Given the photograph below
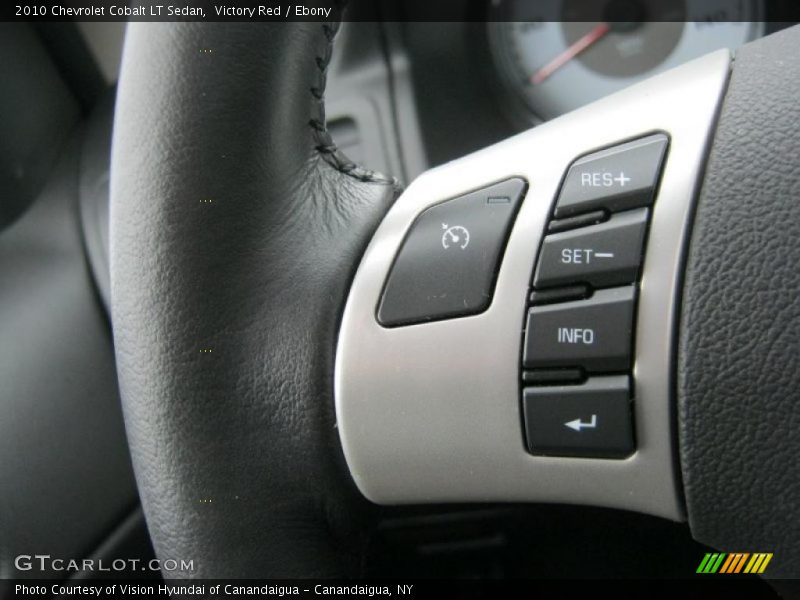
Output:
x=579 y=425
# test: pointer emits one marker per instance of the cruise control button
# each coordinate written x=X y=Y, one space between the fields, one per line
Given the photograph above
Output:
x=595 y=334
x=616 y=179
x=590 y=420
x=448 y=263
x=602 y=255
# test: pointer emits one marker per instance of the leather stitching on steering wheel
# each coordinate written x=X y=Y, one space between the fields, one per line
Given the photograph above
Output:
x=324 y=143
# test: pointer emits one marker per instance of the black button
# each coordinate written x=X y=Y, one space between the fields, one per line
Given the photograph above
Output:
x=551 y=376
x=594 y=334
x=448 y=263
x=602 y=255
x=562 y=294
x=616 y=179
x=582 y=220
x=590 y=420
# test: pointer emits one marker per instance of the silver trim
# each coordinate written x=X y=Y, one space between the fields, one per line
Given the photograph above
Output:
x=431 y=412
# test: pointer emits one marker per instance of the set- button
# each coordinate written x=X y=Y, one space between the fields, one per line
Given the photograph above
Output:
x=601 y=255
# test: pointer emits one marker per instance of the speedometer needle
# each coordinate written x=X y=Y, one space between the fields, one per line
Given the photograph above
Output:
x=576 y=48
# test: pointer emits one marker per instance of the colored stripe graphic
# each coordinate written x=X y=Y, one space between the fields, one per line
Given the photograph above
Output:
x=703 y=563
x=763 y=567
x=755 y=562
x=727 y=564
x=741 y=562
x=711 y=562
x=734 y=562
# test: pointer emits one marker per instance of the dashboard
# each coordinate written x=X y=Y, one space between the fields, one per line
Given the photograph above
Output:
x=479 y=82
x=553 y=68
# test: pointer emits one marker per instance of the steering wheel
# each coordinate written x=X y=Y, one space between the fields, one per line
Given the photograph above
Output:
x=287 y=358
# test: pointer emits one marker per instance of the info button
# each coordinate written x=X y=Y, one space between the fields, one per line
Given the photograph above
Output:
x=595 y=334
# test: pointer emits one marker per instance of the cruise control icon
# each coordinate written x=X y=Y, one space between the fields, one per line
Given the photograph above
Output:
x=455 y=236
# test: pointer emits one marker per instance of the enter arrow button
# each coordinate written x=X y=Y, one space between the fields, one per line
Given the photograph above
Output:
x=589 y=420
x=579 y=425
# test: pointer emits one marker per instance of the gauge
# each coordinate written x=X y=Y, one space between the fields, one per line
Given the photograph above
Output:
x=555 y=67
x=455 y=236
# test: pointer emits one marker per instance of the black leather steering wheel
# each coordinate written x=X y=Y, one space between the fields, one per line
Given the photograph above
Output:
x=237 y=228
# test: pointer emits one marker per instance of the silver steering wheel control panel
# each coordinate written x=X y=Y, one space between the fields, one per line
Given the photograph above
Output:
x=509 y=335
